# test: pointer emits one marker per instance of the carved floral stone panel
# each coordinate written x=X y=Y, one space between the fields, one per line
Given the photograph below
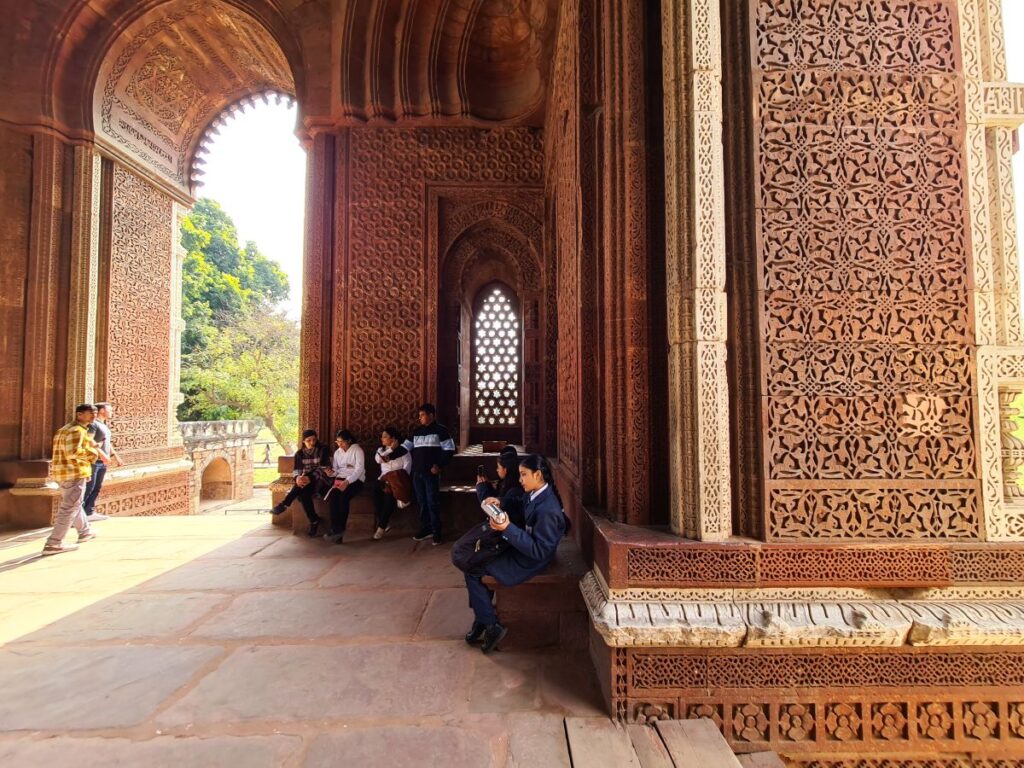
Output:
x=864 y=271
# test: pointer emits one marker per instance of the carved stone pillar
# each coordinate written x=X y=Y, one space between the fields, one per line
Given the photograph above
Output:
x=84 y=285
x=626 y=252
x=45 y=341
x=317 y=286
x=695 y=284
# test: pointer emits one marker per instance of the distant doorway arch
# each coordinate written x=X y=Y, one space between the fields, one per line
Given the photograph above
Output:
x=217 y=482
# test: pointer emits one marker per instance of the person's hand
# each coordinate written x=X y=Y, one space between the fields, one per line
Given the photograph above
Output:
x=435 y=470
x=302 y=481
x=328 y=471
x=341 y=485
x=480 y=479
x=105 y=460
x=495 y=525
x=119 y=460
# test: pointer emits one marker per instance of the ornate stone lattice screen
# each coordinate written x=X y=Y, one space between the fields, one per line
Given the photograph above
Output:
x=496 y=361
x=865 y=271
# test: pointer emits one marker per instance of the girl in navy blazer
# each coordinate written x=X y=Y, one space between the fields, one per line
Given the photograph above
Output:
x=531 y=549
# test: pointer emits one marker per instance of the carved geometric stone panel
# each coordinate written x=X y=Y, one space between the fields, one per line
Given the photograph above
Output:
x=864 y=271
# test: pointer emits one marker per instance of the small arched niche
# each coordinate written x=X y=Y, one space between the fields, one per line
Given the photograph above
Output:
x=217 y=482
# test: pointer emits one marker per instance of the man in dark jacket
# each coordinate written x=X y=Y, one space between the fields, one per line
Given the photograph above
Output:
x=432 y=447
x=310 y=461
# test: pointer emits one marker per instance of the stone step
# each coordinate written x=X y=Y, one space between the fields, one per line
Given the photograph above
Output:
x=596 y=742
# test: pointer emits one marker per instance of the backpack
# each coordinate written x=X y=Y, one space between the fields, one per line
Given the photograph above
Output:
x=477 y=547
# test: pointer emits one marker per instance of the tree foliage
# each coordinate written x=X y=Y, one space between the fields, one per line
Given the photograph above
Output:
x=240 y=353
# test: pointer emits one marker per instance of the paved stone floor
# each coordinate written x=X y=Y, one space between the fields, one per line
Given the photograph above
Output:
x=219 y=640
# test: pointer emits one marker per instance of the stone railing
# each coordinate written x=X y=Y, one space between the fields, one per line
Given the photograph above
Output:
x=197 y=433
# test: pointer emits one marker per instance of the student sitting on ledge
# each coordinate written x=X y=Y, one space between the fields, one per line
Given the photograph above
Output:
x=530 y=551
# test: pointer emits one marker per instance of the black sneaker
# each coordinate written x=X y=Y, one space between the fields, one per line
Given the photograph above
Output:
x=437 y=539
x=493 y=635
x=276 y=510
x=423 y=535
x=314 y=529
x=475 y=633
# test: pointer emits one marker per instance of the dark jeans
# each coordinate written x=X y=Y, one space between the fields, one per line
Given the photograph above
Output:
x=384 y=505
x=305 y=497
x=340 y=501
x=480 y=599
x=93 y=486
x=428 y=495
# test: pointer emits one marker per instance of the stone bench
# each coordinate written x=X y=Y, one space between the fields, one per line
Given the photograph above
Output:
x=548 y=610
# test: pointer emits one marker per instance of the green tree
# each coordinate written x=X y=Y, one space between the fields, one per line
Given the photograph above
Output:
x=240 y=355
x=250 y=369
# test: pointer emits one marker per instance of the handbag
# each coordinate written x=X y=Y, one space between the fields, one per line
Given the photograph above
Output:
x=477 y=547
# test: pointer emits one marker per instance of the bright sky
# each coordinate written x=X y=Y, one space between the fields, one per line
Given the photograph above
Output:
x=256 y=170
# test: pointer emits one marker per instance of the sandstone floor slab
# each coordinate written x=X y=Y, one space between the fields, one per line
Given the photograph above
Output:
x=239 y=574
x=159 y=752
x=318 y=613
x=405 y=747
x=311 y=682
x=84 y=688
x=447 y=615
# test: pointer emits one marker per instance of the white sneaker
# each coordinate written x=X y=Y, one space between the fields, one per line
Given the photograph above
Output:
x=404 y=504
x=97 y=516
x=378 y=534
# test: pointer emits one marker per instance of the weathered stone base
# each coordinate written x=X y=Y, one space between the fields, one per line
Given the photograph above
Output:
x=158 y=488
x=806 y=703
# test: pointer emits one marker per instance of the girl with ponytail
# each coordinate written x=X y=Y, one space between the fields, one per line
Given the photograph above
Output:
x=531 y=548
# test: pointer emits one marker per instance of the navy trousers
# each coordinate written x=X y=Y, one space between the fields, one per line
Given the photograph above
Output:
x=428 y=496
x=480 y=599
x=93 y=486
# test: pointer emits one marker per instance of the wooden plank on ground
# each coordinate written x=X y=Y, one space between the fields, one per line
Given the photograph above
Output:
x=761 y=760
x=696 y=744
x=597 y=742
x=647 y=744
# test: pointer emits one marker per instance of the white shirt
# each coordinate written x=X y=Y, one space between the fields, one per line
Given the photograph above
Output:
x=538 y=492
x=390 y=465
x=350 y=465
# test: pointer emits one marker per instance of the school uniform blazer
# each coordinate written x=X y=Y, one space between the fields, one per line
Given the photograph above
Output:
x=533 y=546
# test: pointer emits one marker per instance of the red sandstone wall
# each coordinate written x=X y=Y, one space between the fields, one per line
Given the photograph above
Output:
x=863 y=258
x=386 y=272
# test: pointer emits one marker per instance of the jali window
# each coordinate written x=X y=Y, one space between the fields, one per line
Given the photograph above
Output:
x=496 y=363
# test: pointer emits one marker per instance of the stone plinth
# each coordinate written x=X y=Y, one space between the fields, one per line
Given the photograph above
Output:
x=222 y=458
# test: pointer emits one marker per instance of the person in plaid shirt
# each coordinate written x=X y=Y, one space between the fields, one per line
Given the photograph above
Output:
x=74 y=452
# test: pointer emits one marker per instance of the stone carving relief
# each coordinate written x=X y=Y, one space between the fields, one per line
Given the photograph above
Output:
x=864 y=260
x=139 y=324
x=173 y=70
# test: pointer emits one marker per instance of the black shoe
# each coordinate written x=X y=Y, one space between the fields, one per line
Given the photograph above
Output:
x=423 y=535
x=276 y=510
x=314 y=529
x=437 y=539
x=475 y=633
x=493 y=635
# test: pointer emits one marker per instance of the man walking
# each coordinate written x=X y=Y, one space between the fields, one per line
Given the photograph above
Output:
x=99 y=430
x=432 y=447
x=74 y=453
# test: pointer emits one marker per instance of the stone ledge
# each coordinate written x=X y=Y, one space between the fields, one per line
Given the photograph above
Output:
x=774 y=623
x=44 y=486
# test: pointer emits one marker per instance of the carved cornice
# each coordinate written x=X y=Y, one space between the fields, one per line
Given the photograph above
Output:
x=1003 y=104
x=758 y=620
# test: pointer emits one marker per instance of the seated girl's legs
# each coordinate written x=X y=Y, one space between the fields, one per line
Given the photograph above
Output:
x=480 y=600
x=384 y=505
x=340 y=503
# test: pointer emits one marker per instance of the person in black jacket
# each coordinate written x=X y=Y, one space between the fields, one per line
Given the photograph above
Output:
x=312 y=458
x=432 y=447
x=508 y=489
x=532 y=547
